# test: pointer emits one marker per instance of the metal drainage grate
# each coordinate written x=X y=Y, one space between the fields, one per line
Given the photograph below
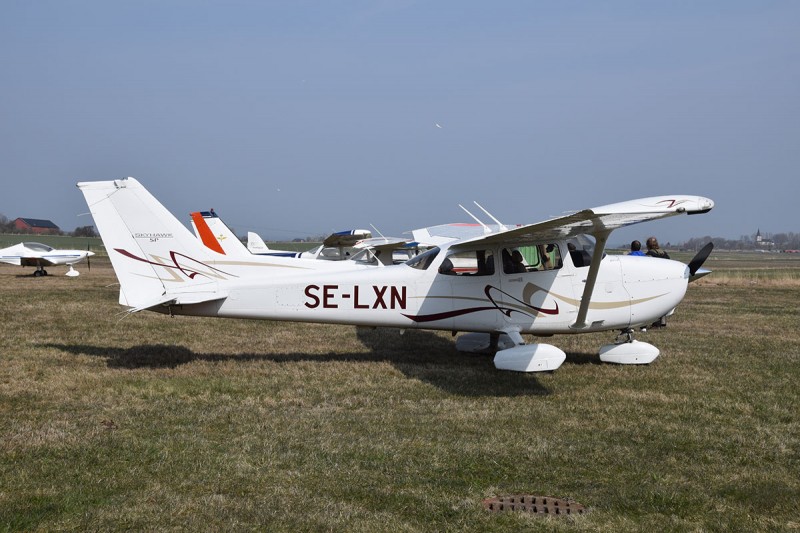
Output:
x=544 y=505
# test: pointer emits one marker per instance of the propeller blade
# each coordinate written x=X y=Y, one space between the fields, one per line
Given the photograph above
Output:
x=698 y=260
x=88 y=260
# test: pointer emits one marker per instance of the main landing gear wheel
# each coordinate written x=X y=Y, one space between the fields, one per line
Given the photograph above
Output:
x=40 y=272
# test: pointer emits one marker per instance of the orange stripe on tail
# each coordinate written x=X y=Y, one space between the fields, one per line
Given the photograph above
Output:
x=205 y=233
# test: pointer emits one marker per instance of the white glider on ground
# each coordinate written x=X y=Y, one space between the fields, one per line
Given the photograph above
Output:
x=40 y=255
x=523 y=280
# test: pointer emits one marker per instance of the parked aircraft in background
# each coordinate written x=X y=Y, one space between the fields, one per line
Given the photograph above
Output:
x=357 y=245
x=386 y=251
x=367 y=250
x=256 y=245
x=40 y=255
x=333 y=248
x=227 y=250
x=523 y=280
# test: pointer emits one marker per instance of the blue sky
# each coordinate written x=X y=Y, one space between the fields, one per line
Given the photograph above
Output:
x=299 y=118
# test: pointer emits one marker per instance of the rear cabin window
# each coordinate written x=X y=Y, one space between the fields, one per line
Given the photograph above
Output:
x=531 y=258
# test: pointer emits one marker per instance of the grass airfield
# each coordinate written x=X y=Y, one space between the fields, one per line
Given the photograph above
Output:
x=148 y=422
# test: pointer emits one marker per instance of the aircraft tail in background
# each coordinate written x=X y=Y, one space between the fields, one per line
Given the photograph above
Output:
x=217 y=236
x=255 y=244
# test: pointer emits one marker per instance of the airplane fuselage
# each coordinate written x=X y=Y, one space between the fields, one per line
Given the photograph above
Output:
x=629 y=291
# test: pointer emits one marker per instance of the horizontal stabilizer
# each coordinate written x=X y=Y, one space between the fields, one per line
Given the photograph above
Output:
x=167 y=300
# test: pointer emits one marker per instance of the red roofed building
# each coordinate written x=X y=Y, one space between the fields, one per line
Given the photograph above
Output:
x=35 y=225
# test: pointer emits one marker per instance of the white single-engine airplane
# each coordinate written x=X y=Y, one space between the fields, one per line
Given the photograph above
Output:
x=40 y=255
x=527 y=279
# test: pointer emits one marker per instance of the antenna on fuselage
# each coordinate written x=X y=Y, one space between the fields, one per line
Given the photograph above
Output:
x=502 y=226
x=378 y=232
x=486 y=229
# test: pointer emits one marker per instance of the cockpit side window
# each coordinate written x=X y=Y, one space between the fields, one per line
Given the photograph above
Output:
x=424 y=260
x=468 y=263
x=531 y=258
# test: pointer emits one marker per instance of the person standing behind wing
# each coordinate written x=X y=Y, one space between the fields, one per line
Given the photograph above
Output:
x=636 y=248
x=654 y=251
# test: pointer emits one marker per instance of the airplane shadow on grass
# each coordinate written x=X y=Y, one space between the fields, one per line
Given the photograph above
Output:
x=421 y=355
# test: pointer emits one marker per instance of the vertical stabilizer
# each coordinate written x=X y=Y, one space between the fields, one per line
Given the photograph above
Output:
x=154 y=256
x=217 y=236
x=255 y=244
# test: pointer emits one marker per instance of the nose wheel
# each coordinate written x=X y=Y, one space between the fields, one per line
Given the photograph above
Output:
x=625 y=336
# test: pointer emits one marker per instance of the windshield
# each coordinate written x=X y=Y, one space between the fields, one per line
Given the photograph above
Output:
x=37 y=246
x=365 y=257
x=423 y=261
x=581 y=249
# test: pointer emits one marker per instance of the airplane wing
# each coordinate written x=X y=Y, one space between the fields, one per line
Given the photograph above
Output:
x=599 y=220
x=37 y=254
x=445 y=233
x=27 y=261
x=35 y=261
x=346 y=238
x=383 y=242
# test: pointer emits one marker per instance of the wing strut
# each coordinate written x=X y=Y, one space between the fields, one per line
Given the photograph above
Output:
x=599 y=249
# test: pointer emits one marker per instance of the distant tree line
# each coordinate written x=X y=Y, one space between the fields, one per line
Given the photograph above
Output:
x=6 y=225
x=770 y=242
x=85 y=231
